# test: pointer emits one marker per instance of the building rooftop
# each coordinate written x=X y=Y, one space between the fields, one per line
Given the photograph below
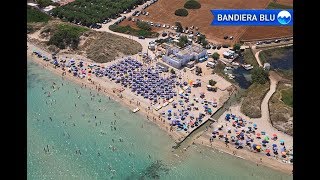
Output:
x=190 y=49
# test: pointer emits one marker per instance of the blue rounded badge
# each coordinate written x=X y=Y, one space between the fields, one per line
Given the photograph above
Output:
x=284 y=17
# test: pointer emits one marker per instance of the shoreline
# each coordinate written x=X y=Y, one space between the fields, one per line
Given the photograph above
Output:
x=176 y=136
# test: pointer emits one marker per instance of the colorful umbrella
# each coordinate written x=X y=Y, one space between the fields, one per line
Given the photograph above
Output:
x=267 y=150
x=274 y=135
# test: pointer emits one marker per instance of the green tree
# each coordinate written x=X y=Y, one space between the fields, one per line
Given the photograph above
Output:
x=183 y=40
x=259 y=75
x=215 y=56
x=236 y=47
x=172 y=71
x=192 y=4
x=212 y=82
x=181 y=12
x=143 y=25
x=179 y=27
x=205 y=43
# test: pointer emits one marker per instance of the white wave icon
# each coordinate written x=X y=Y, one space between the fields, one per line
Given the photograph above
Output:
x=284 y=17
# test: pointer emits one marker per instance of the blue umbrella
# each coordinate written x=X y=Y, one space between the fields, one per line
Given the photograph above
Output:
x=274 y=145
x=281 y=141
x=254 y=125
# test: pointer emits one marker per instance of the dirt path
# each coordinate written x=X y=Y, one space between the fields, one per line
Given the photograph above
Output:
x=257 y=58
x=144 y=42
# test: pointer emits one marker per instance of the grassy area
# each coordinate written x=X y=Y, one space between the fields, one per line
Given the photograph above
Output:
x=287 y=96
x=34 y=15
x=135 y=32
x=286 y=74
x=249 y=58
x=280 y=112
x=273 y=53
x=273 y=5
x=251 y=105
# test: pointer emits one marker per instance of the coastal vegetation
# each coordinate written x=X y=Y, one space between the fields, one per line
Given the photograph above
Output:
x=192 y=4
x=67 y=36
x=34 y=15
x=274 y=5
x=249 y=58
x=280 y=107
x=251 y=104
x=45 y=3
x=181 y=12
x=98 y=46
x=104 y=47
x=259 y=75
x=134 y=32
x=143 y=25
x=287 y=96
x=89 y=12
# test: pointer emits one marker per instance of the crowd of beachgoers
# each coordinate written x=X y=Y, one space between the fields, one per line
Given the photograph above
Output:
x=244 y=133
x=167 y=93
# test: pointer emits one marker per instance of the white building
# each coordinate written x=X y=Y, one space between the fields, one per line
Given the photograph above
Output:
x=178 y=58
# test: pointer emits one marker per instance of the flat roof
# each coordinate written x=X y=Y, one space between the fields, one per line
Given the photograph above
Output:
x=190 y=49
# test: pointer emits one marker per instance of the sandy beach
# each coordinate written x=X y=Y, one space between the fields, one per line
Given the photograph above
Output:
x=103 y=85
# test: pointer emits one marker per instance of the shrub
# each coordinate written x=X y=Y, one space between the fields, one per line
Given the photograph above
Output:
x=181 y=12
x=212 y=82
x=215 y=56
x=172 y=71
x=192 y=4
x=144 y=26
x=259 y=75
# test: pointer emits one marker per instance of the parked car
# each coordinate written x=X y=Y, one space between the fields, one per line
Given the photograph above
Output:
x=141 y=37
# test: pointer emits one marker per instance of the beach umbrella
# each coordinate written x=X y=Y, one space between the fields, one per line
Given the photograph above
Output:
x=267 y=150
x=283 y=153
x=258 y=147
x=274 y=135
x=264 y=141
x=254 y=125
x=258 y=134
x=281 y=141
x=274 y=145
x=266 y=138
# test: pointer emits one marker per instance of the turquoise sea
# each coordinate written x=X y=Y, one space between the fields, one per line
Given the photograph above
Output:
x=76 y=133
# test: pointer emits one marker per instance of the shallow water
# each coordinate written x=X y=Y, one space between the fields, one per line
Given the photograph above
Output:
x=144 y=151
